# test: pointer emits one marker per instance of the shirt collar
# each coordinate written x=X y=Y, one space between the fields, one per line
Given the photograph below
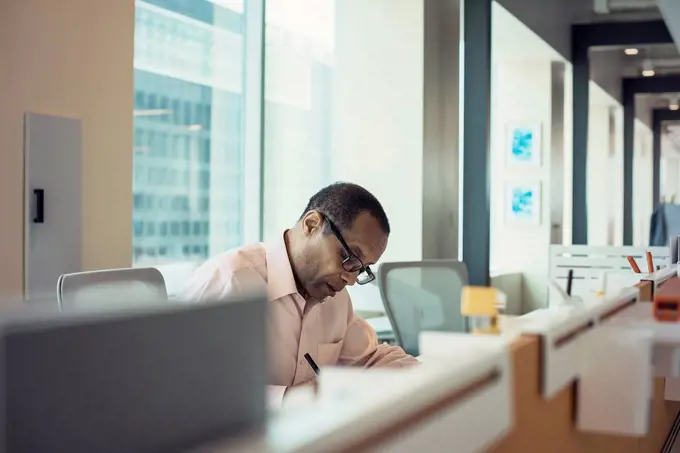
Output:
x=280 y=279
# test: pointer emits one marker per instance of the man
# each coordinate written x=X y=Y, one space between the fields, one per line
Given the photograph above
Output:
x=342 y=231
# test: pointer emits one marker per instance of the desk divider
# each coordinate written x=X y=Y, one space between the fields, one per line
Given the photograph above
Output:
x=475 y=411
x=659 y=278
x=582 y=382
x=563 y=333
x=548 y=424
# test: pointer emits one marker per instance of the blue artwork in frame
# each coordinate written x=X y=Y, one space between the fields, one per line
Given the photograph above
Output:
x=524 y=144
x=523 y=204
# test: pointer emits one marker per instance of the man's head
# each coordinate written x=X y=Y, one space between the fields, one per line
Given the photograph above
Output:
x=342 y=231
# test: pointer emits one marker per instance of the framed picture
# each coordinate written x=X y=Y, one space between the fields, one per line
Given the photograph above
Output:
x=523 y=144
x=523 y=203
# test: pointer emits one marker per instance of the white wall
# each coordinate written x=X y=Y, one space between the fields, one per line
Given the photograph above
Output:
x=521 y=92
x=378 y=111
x=670 y=171
x=604 y=169
x=642 y=183
x=72 y=58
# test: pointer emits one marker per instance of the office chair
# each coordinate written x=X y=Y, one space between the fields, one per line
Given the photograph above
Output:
x=112 y=286
x=422 y=295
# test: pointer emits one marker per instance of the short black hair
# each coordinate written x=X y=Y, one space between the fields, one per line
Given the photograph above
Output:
x=342 y=202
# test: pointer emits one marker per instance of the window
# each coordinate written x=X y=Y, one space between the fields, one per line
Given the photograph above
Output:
x=138 y=201
x=138 y=228
x=189 y=71
x=300 y=57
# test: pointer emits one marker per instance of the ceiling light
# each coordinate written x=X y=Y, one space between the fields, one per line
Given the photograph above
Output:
x=631 y=51
x=674 y=107
x=647 y=69
x=673 y=104
x=194 y=127
x=648 y=73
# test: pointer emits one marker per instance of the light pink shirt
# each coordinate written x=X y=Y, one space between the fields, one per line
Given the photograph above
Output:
x=330 y=331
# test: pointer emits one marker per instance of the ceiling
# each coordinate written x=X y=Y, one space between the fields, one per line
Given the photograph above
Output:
x=670 y=10
x=663 y=59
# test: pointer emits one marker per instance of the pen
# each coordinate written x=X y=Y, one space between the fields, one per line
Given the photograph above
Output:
x=570 y=278
x=633 y=264
x=312 y=364
x=650 y=262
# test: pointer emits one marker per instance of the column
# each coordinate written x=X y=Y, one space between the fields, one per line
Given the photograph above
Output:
x=476 y=59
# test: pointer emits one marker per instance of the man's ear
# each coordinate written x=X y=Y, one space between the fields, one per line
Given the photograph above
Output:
x=312 y=222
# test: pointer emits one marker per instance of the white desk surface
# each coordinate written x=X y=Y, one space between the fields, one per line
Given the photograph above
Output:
x=641 y=315
x=354 y=404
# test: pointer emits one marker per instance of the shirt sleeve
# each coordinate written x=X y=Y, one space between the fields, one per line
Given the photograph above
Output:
x=211 y=283
x=361 y=348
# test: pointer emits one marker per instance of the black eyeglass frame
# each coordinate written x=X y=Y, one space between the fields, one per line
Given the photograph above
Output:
x=364 y=273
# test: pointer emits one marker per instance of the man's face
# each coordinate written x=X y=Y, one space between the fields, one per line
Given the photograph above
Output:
x=323 y=274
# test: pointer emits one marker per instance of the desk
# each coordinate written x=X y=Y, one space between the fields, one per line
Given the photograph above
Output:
x=356 y=412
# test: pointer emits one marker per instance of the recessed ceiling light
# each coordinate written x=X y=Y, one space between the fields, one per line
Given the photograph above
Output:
x=631 y=51
x=674 y=107
x=648 y=73
x=647 y=68
x=673 y=103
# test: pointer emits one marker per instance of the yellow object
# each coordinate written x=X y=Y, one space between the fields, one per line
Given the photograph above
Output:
x=480 y=304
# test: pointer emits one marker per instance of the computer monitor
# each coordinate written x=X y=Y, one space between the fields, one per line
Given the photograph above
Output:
x=156 y=379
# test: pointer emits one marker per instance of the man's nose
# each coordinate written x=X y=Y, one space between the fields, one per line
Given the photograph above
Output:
x=350 y=278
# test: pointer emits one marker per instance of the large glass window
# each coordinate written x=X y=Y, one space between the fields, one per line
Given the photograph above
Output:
x=188 y=116
x=299 y=61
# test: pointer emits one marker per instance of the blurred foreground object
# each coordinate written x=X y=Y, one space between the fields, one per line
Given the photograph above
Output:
x=481 y=305
x=157 y=378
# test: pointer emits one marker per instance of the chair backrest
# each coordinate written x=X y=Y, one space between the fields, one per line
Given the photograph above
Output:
x=589 y=262
x=176 y=275
x=422 y=295
x=113 y=286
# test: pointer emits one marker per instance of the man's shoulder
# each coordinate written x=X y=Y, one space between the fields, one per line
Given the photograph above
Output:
x=236 y=262
x=242 y=268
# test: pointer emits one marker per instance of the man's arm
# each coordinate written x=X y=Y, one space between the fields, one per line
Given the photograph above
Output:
x=361 y=347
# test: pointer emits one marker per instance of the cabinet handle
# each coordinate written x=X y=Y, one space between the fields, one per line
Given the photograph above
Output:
x=39 y=195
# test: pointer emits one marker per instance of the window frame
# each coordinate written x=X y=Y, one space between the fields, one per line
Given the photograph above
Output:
x=253 y=119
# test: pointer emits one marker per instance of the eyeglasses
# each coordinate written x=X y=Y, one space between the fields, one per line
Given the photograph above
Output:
x=351 y=263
